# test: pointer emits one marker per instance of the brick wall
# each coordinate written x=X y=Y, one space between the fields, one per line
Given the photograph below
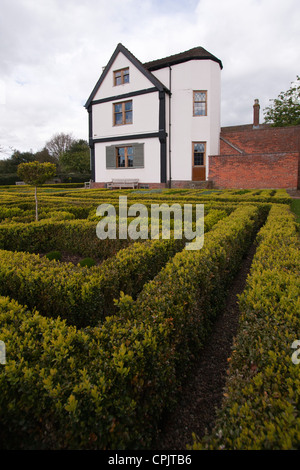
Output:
x=265 y=139
x=256 y=171
x=267 y=157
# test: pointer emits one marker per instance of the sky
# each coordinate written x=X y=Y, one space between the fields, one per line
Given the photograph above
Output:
x=52 y=53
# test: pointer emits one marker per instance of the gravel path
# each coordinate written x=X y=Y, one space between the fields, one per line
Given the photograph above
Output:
x=203 y=393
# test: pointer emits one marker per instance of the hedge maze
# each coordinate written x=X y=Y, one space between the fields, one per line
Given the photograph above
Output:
x=96 y=355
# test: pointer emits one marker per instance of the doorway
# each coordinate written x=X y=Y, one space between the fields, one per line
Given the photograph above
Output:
x=199 y=161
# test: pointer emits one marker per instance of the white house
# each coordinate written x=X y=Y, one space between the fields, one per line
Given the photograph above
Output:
x=155 y=123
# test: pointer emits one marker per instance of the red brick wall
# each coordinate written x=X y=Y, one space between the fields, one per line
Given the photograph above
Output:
x=262 y=140
x=261 y=171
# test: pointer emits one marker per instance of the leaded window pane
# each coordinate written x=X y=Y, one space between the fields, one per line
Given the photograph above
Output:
x=199 y=154
x=199 y=109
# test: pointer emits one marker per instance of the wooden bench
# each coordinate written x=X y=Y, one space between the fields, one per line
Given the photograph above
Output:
x=20 y=182
x=123 y=183
x=87 y=185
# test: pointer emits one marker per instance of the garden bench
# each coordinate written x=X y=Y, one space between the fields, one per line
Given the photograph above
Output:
x=123 y=183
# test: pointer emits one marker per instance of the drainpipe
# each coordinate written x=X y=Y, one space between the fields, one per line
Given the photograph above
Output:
x=170 y=150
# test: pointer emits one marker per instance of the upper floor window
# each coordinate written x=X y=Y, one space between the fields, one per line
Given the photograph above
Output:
x=122 y=113
x=200 y=103
x=121 y=76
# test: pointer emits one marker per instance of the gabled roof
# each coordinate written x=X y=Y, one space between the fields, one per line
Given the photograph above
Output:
x=135 y=62
x=197 y=53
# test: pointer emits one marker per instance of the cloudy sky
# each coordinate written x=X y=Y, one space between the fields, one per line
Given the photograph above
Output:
x=52 y=53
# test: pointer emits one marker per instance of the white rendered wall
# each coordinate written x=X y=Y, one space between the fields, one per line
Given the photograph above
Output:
x=186 y=128
x=145 y=117
x=149 y=174
x=137 y=81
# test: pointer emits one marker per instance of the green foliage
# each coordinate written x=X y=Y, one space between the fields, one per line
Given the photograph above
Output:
x=9 y=165
x=285 y=110
x=54 y=255
x=106 y=387
x=76 y=237
x=36 y=173
x=295 y=206
x=99 y=353
x=261 y=401
x=190 y=291
x=77 y=158
x=53 y=287
x=89 y=262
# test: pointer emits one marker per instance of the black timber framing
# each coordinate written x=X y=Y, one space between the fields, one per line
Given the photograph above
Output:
x=158 y=87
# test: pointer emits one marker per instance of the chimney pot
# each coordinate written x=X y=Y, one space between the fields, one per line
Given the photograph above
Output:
x=256 y=108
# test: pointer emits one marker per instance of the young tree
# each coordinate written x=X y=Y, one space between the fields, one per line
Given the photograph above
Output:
x=285 y=110
x=36 y=174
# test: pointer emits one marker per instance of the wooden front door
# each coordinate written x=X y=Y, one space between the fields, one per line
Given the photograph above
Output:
x=199 y=161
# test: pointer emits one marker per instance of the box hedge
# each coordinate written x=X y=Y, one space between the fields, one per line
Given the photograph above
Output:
x=106 y=387
x=260 y=410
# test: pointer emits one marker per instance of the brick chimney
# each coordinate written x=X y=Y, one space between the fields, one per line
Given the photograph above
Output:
x=256 y=107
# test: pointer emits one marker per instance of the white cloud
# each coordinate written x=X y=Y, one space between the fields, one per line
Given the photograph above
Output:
x=52 y=53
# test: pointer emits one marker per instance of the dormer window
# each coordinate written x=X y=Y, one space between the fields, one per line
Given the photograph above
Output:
x=121 y=76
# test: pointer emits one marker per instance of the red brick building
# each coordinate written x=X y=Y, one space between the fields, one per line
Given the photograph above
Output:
x=257 y=156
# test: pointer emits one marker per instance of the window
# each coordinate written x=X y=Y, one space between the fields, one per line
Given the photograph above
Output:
x=122 y=113
x=124 y=157
x=200 y=103
x=198 y=153
x=121 y=77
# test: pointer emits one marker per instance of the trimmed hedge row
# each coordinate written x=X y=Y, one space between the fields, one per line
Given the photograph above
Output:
x=261 y=401
x=83 y=295
x=73 y=236
x=106 y=387
x=63 y=388
x=191 y=290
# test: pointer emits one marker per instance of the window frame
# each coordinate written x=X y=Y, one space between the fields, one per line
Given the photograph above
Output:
x=123 y=75
x=193 y=153
x=126 y=147
x=199 y=101
x=123 y=112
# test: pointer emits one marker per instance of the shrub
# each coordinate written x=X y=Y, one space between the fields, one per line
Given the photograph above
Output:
x=87 y=262
x=54 y=255
x=261 y=401
x=106 y=387
x=84 y=296
x=192 y=288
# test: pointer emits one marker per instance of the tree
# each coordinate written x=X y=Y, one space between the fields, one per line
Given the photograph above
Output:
x=77 y=158
x=36 y=174
x=59 y=144
x=44 y=156
x=285 y=110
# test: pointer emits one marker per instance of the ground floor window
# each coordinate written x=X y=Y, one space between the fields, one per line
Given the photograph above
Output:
x=124 y=157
